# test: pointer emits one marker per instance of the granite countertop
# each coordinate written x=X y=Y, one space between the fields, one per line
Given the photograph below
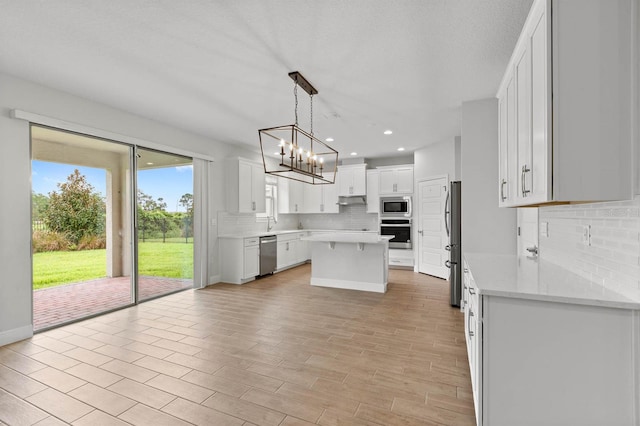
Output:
x=527 y=278
x=253 y=234
x=349 y=237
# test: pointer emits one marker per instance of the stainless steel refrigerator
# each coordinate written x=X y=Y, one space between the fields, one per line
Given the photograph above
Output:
x=453 y=223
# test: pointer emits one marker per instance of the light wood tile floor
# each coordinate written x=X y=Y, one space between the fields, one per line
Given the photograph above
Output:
x=272 y=352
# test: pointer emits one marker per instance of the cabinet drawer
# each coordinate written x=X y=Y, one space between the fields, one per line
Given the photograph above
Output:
x=287 y=237
x=253 y=241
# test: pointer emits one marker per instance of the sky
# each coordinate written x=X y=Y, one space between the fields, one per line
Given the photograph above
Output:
x=168 y=183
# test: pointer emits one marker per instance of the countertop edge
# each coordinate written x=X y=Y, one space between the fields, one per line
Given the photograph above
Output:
x=570 y=300
x=499 y=262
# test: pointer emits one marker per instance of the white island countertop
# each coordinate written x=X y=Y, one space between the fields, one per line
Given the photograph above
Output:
x=527 y=278
x=349 y=237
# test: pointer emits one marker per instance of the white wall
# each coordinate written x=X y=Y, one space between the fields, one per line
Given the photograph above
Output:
x=436 y=159
x=485 y=227
x=15 y=175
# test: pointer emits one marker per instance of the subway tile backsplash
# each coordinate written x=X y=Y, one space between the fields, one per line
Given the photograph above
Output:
x=350 y=218
x=354 y=217
x=613 y=256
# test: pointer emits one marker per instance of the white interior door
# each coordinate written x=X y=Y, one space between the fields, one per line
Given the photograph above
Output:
x=432 y=235
x=527 y=230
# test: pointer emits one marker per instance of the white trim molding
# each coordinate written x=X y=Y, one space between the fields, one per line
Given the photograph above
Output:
x=100 y=133
x=16 y=334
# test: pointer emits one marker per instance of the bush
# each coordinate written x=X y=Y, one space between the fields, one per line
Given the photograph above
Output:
x=92 y=242
x=50 y=241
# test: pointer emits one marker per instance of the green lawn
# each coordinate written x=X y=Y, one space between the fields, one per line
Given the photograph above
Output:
x=171 y=260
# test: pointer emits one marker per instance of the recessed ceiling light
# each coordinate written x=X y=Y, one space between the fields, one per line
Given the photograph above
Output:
x=149 y=164
x=401 y=149
x=329 y=140
x=354 y=153
x=388 y=132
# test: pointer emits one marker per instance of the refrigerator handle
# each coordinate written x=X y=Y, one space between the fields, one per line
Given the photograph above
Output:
x=446 y=213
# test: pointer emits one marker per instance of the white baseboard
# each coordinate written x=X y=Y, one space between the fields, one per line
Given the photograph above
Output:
x=16 y=334
x=214 y=279
x=349 y=285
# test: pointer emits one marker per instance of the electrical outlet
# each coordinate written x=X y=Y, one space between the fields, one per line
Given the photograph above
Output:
x=586 y=235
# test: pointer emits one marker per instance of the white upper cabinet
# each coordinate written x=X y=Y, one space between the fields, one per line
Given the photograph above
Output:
x=373 y=191
x=321 y=199
x=245 y=186
x=565 y=105
x=352 y=180
x=290 y=195
x=508 y=160
x=396 y=180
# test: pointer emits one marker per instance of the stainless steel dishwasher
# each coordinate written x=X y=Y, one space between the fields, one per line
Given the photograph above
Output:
x=268 y=254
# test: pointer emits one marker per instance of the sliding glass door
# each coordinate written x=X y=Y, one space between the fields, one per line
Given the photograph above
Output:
x=164 y=223
x=93 y=241
x=81 y=226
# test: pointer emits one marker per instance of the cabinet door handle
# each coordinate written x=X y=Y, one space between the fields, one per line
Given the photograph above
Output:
x=471 y=333
x=395 y=187
x=351 y=190
x=253 y=205
x=287 y=246
x=525 y=170
x=321 y=207
x=502 y=196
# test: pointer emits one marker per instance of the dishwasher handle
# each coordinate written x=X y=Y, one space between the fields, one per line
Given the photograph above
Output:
x=266 y=240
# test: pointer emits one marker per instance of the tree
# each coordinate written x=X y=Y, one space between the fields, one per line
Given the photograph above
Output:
x=152 y=215
x=186 y=201
x=76 y=210
x=39 y=203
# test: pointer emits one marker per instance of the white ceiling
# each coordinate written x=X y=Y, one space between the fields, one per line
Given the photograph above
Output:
x=219 y=68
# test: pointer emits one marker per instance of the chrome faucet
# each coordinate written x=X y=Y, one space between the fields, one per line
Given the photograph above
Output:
x=269 y=225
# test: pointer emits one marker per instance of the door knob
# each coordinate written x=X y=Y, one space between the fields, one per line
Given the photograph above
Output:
x=420 y=232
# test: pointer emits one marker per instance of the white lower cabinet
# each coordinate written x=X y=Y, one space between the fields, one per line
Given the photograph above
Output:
x=240 y=259
x=536 y=362
x=291 y=251
x=251 y=259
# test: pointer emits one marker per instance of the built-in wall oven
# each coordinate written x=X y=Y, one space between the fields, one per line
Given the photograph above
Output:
x=395 y=207
x=400 y=228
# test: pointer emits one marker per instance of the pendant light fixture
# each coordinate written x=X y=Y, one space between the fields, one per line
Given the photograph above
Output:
x=292 y=153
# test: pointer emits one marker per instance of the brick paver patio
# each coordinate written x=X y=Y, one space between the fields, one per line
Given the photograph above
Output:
x=64 y=303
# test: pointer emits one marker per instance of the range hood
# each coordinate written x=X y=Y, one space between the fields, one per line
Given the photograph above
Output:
x=352 y=200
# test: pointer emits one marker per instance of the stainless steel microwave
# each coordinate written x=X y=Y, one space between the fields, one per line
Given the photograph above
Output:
x=395 y=206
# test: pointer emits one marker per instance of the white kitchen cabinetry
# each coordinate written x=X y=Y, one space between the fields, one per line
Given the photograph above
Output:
x=507 y=143
x=240 y=259
x=251 y=257
x=396 y=180
x=291 y=250
x=321 y=199
x=565 y=105
x=373 y=191
x=352 y=180
x=290 y=196
x=245 y=186
x=537 y=361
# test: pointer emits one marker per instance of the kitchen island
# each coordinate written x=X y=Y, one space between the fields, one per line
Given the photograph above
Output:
x=354 y=261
